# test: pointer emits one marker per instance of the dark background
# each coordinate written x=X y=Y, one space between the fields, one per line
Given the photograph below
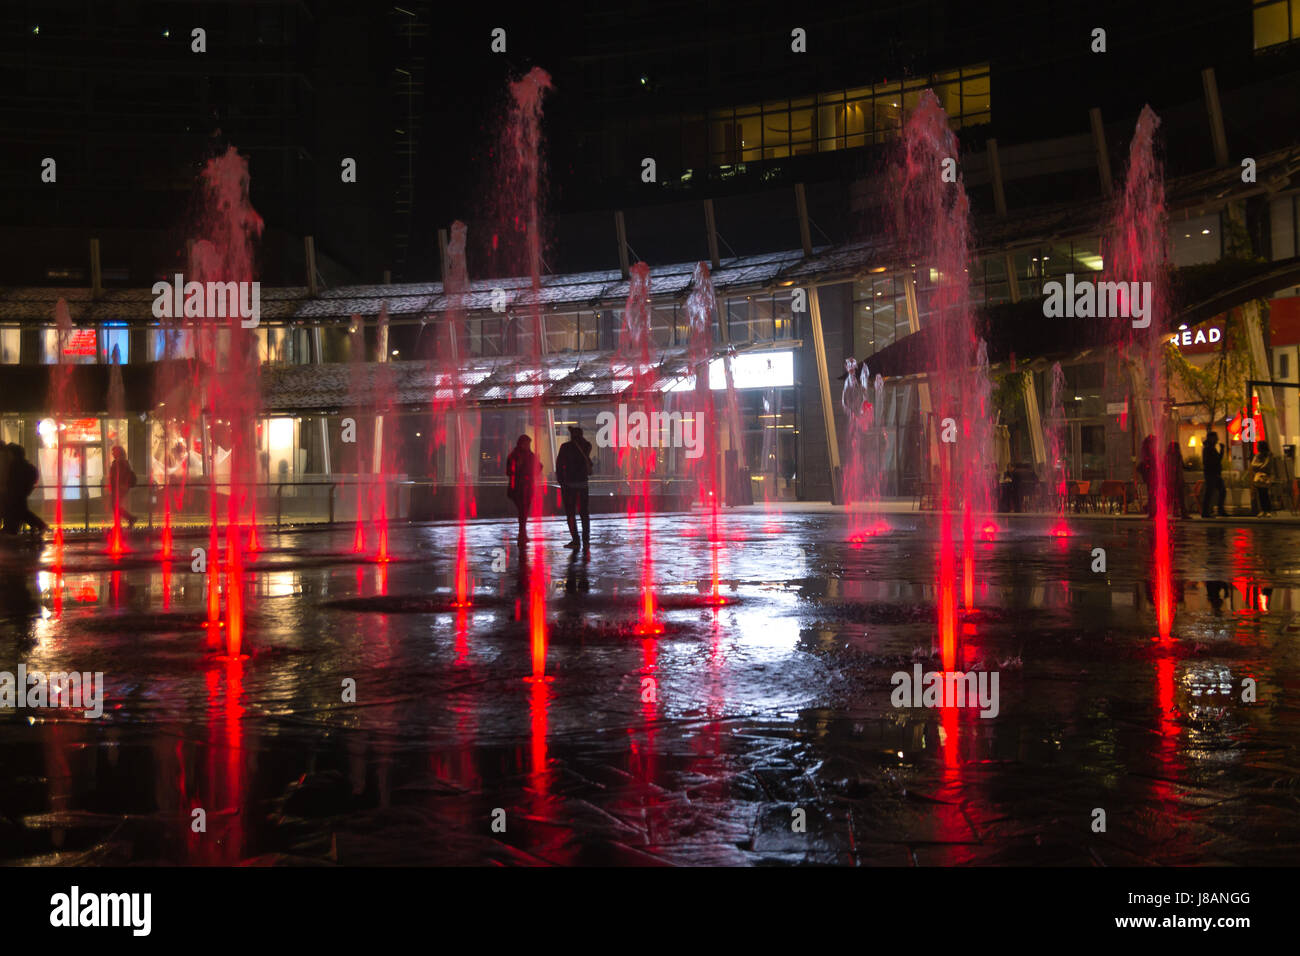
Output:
x=413 y=92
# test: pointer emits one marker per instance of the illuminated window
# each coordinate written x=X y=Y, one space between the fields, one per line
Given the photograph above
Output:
x=115 y=336
x=1276 y=21
x=843 y=119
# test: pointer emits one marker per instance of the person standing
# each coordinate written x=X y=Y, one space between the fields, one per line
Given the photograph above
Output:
x=1174 y=483
x=522 y=471
x=573 y=468
x=1261 y=476
x=22 y=479
x=121 y=479
x=1212 y=466
x=1147 y=470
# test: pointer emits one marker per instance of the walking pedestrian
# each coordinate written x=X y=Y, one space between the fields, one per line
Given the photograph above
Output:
x=21 y=479
x=121 y=479
x=1175 y=486
x=573 y=468
x=1212 y=466
x=1261 y=476
x=522 y=471
x=1146 y=468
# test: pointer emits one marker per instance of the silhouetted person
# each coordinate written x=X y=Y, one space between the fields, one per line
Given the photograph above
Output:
x=5 y=466
x=1215 y=592
x=1261 y=476
x=1147 y=470
x=573 y=468
x=121 y=479
x=21 y=479
x=1212 y=465
x=522 y=470
x=1175 y=487
x=575 y=578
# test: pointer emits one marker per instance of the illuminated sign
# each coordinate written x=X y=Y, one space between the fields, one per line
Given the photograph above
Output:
x=748 y=370
x=81 y=342
x=1197 y=337
x=81 y=430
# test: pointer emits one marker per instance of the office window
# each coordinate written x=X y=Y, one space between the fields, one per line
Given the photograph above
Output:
x=843 y=119
x=10 y=342
x=1276 y=21
x=115 y=336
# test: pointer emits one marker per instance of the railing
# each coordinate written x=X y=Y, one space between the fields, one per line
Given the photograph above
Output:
x=322 y=501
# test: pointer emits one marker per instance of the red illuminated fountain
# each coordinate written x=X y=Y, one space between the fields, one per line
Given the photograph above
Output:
x=862 y=401
x=452 y=428
x=116 y=414
x=358 y=388
x=62 y=407
x=1058 y=473
x=228 y=229
x=638 y=458
x=933 y=219
x=701 y=307
x=1135 y=252
x=519 y=241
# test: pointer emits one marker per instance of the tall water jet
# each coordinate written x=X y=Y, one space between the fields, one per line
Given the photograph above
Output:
x=638 y=458
x=1058 y=474
x=933 y=223
x=224 y=253
x=178 y=412
x=383 y=457
x=861 y=401
x=116 y=414
x=1136 y=252
x=358 y=388
x=519 y=211
x=62 y=406
x=452 y=429
x=701 y=307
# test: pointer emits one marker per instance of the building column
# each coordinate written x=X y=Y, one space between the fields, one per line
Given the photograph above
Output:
x=1034 y=421
x=1262 y=371
x=925 y=408
x=824 y=383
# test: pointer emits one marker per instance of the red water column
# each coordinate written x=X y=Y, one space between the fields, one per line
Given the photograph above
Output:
x=1136 y=252
x=358 y=390
x=639 y=455
x=116 y=413
x=701 y=308
x=519 y=240
x=224 y=252
x=384 y=458
x=453 y=428
x=933 y=225
x=62 y=407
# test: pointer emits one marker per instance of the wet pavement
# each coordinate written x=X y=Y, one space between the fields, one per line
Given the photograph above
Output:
x=757 y=732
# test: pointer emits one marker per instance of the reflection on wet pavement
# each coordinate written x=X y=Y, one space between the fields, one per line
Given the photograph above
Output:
x=700 y=745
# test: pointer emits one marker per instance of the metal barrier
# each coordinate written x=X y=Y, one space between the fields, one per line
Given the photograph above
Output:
x=321 y=499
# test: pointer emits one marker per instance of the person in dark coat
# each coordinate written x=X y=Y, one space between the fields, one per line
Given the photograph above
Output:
x=1147 y=470
x=1175 y=486
x=522 y=471
x=1261 y=471
x=1212 y=466
x=121 y=479
x=573 y=467
x=21 y=480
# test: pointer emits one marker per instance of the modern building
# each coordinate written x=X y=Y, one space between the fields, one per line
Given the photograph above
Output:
x=783 y=194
